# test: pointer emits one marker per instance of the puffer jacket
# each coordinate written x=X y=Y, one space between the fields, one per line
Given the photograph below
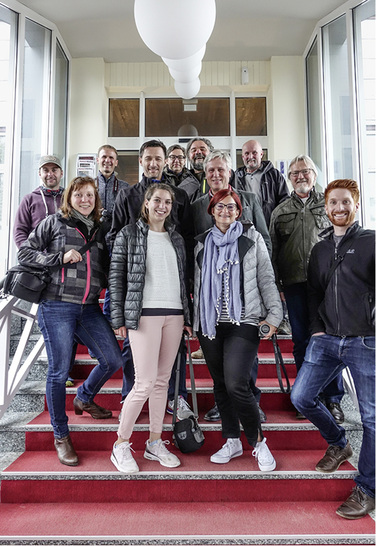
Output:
x=274 y=189
x=80 y=282
x=259 y=294
x=127 y=274
x=294 y=230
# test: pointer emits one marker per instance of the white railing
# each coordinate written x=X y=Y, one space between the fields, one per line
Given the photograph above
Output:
x=13 y=374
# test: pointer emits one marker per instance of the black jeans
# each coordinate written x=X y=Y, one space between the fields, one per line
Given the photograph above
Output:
x=230 y=357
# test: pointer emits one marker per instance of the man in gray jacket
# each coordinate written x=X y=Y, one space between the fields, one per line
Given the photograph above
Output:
x=294 y=229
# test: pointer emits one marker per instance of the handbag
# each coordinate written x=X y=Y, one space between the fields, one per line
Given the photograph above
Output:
x=27 y=283
x=187 y=434
x=280 y=365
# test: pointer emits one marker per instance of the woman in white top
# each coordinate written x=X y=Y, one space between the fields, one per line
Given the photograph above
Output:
x=149 y=301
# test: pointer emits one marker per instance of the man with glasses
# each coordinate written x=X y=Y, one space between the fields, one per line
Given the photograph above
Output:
x=294 y=229
x=261 y=177
x=177 y=172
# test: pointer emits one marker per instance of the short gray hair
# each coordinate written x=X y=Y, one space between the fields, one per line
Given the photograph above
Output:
x=218 y=154
x=307 y=160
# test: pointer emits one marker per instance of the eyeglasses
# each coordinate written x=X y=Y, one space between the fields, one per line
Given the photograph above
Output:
x=231 y=207
x=176 y=157
x=304 y=172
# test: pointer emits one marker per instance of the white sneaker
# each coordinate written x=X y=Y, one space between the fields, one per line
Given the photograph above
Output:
x=264 y=457
x=159 y=452
x=232 y=448
x=122 y=458
x=183 y=411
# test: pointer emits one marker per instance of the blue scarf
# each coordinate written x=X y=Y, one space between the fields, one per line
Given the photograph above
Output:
x=220 y=266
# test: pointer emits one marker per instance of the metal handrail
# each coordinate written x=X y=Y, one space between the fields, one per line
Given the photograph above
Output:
x=14 y=372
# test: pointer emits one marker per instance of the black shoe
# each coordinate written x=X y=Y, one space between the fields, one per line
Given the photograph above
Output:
x=213 y=414
x=299 y=415
x=336 y=410
x=263 y=417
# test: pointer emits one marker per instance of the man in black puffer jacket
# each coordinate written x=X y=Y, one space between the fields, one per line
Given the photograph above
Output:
x=341 y=277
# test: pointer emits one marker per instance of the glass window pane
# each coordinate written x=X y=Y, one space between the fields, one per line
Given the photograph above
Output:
x=365 y=47
x=251 y=116
x=128 y=167
x=337 y=99
x=180 y=118
x=8 y=39
x=124 y=118
x=313 y=108
x=35 y=93
x=61 y=98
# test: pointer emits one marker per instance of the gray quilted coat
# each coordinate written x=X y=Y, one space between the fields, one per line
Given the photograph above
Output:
x=127 y=274
x=259 y=293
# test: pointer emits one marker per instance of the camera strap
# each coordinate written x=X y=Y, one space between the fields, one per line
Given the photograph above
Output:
x=280 y=365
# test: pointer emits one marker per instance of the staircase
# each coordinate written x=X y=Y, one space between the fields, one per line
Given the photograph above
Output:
x=44 y=502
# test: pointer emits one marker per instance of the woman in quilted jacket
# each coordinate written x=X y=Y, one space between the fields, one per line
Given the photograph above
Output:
x=70 y=244
x=149 y=301
x=235 y=295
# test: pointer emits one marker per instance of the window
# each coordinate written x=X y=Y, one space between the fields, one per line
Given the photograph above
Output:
x=365 y=31
x=313 y=110
x=61 y=99
x=337 y=100
x=36 y=89
x=8 y=44
x=124 y=118
x=251 y=116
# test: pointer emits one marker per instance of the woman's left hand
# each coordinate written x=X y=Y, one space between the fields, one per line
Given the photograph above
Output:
x=272 y=330
x=189 y=330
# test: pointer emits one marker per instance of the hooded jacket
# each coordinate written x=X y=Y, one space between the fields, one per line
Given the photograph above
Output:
x=273 y=187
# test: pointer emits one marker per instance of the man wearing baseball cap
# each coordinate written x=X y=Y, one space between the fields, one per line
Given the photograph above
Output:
x=41 y=202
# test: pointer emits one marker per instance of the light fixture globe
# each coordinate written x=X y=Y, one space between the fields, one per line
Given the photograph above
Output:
x=188 y=90
x=186 y=76
x=175 y=29
x=188 y=63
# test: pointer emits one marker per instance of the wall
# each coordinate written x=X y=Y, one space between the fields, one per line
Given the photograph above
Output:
x=87 y=110
x=281 y=80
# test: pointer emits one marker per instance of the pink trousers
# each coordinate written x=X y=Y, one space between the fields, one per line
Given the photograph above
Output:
x=154 y=347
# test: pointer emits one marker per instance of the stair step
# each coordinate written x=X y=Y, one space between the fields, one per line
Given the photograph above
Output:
x=165 y=523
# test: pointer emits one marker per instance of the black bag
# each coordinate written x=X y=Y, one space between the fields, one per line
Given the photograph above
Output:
x=25 y=283
x=187 y=434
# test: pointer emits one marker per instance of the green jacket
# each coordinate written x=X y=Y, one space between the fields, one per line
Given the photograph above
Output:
x=294 y=230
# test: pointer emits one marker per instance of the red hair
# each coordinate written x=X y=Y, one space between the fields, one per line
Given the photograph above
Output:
x=221 y=194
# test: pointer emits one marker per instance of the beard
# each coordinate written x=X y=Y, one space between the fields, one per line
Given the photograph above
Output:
x=347 y=220
x=303 y=188
x=198 y=164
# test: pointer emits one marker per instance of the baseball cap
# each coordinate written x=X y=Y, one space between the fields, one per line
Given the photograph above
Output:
x=49 y=159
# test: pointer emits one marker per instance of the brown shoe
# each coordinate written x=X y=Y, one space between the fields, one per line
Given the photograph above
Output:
x=65 y=451
x=358 y=505
x=333 y=458
x=97 y=412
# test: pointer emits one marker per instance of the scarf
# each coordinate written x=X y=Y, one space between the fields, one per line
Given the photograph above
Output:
x=87 y=220
x=47 y=191
x=220 y=267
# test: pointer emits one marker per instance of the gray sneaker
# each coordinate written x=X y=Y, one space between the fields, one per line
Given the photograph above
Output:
x=183 y=411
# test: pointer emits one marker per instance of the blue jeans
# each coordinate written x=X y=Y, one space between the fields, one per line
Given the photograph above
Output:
x=59 y=322
x=297 y=304
x=326 y=356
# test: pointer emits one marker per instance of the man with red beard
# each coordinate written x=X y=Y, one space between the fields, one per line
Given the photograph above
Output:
x=341 y=278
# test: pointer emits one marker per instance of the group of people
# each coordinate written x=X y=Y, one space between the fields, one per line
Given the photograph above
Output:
x=242 y=245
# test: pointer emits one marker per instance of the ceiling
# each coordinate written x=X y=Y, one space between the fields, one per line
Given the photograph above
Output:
x=245 y=30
